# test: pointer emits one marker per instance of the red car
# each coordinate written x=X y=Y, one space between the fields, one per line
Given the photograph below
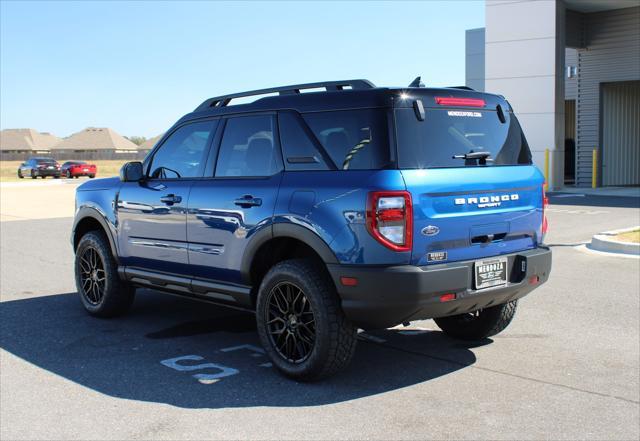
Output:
x=75 y=169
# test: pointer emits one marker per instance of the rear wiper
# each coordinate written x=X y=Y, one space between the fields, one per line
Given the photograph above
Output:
x=471 y=156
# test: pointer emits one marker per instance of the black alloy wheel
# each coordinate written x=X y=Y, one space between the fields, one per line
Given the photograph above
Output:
x=300 y=321
x=92 y=276
x=101 y=291
x=291 y=322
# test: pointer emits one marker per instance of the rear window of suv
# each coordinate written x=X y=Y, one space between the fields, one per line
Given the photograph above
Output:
x=458 y=131
x=353 y=139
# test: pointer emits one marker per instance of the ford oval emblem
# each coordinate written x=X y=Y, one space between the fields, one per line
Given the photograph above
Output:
x=430 y=230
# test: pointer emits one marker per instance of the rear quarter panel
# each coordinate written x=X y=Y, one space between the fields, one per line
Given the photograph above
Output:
x=332 y=204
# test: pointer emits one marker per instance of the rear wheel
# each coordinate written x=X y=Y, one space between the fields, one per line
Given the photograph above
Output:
x=479 y=324
x=92 y=176
x=101 y=291
x=300 y=322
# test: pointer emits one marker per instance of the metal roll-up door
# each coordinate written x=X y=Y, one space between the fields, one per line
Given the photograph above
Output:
x=621 y=133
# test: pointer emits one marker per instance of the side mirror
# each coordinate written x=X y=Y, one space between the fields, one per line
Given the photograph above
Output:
x=131 y=172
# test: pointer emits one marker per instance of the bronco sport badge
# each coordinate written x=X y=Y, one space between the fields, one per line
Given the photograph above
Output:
x=487 y=201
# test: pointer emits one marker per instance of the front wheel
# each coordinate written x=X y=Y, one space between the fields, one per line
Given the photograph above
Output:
x=20 y=174
x=479 y=324
x=33 y=175
x=300 y=322
x=101 y=291
x=67 y=174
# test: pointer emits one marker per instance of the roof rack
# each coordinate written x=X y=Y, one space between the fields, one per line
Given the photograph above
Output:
x=223 y=100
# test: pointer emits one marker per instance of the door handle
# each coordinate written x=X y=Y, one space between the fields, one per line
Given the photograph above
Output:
x=171 y=199
x=248 y=201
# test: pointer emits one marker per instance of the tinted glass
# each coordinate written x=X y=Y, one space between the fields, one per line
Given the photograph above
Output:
x=354 y=139
x=182 y=155
x=248 y=147
x=299 y=151
x=448 y=132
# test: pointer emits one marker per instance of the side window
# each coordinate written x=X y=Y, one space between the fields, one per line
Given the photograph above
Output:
x=248 y=147
x=354 y=139
x=183 y=154
x=299 y=151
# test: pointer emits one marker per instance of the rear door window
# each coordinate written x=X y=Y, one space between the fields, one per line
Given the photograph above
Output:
x=249 y=148
x=353 y=139
x=445 y=133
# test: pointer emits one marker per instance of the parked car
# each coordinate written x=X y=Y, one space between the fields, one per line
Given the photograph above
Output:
x=324 y=212
x=42 y=167
x=75 y=169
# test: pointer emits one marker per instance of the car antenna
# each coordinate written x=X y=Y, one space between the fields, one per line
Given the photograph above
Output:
x=416 y=83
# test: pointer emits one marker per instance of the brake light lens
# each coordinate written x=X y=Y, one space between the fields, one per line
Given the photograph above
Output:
x=545 y=203
x=462 y=102
x=390 y=219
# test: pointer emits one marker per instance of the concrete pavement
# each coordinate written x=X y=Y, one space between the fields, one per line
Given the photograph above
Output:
x=566 y=368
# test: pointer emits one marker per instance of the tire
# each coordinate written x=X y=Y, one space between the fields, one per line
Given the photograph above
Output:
x=479 y=324
x=92 y=176
x=110 y=296
x=43 y=177
x=325 y=344
x=20 y=175
x=68 y=174
x=33 y=175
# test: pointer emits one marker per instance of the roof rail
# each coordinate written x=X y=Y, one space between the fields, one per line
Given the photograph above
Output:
x=223 y=100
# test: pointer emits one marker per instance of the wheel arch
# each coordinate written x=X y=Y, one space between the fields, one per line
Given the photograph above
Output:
x=282 y=241
x=90 y=219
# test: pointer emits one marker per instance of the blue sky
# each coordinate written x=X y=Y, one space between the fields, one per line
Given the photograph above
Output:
x=138 y=66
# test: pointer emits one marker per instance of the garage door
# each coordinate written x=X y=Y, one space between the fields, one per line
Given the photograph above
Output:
x=621 y=133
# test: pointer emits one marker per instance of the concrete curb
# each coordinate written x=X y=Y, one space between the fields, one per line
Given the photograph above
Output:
x=604 y=242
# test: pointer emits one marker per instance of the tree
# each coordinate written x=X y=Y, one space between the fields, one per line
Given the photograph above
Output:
x=137 y=140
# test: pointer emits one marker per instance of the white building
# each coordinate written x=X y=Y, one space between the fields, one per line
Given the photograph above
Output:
x=571 y=71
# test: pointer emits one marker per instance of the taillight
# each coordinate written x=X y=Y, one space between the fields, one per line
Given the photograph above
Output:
x=545 y=203
x=462 y=102
x=390 y=219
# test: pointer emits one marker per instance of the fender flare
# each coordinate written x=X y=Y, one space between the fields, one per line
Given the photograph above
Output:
x=284 y=230
x=95 y=214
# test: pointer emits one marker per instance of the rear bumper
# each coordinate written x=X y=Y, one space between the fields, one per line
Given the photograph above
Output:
x=388 y=296
x=47 y=172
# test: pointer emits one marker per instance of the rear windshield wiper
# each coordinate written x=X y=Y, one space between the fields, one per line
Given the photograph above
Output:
x=472 y=156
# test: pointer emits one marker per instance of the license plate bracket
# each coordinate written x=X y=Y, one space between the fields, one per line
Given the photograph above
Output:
x=490 y=273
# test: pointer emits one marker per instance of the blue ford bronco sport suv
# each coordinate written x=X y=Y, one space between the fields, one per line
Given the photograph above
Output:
x=325 y=208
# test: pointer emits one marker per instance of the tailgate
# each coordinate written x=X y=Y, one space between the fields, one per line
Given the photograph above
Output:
x=474 y=212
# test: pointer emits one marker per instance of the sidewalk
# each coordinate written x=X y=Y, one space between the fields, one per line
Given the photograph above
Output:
x=633 y=192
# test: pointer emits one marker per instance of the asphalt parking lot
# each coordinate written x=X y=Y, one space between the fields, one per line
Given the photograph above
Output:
x=566 y=368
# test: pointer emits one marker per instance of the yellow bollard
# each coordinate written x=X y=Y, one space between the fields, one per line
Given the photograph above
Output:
x=546 y=169
x=594 y=168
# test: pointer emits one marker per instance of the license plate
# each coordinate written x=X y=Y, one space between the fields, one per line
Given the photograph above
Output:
x=491 y=273
x=51 y=166
x=85 y=169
